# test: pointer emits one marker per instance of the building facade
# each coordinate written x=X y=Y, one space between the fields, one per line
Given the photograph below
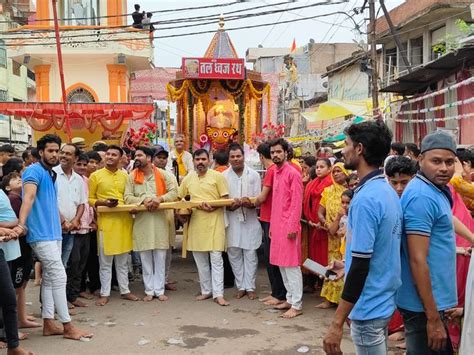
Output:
x=16 y=81
x=435 y=89
x=100 y=54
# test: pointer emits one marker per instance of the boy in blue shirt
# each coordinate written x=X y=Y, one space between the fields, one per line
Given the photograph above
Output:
x=373 y=245
x=40 y=214
x=429 y=249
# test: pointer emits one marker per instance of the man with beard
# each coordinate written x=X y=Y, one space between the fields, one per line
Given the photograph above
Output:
x=180 y=159
x=244 y=233
x=39 y=213
x=71 y=198
x=149 y=186
x=106 y=188
x=372 y=245
x=429 y=249
x=206 y=228
x=285 y=227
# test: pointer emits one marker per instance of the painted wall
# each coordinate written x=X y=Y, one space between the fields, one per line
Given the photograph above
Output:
x=349 y=84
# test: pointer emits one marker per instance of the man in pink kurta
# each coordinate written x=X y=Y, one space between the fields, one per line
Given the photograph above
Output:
x=285 y=227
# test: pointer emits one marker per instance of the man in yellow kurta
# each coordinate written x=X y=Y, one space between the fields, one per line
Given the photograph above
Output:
x=106 y=188
x=149 y=186
x=206 y=230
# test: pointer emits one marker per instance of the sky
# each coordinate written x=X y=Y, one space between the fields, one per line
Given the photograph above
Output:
x=329 y=29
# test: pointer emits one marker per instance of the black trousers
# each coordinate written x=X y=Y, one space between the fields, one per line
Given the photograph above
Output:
x=274 y=275
x=229 y=277
x=8 y=304
x=76 y=265
x=91 y=271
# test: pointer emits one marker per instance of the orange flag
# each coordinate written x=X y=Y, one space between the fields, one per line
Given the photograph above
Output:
x=293 y=46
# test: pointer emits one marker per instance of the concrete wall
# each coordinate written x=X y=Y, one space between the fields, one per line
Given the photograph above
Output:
x=323 y=55
x=349 y=84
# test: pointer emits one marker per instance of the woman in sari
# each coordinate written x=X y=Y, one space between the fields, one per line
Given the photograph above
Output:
x=462 y=181
x=330 y=208
x=318 y=239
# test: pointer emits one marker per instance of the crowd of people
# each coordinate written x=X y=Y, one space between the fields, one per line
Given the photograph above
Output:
x=391 y=222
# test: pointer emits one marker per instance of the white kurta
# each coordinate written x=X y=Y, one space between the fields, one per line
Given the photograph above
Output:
x=243 y=228
x=467 y=336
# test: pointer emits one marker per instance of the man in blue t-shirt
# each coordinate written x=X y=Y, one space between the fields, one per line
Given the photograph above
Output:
x=39 y=212
x=429 y=249
x=373 y=245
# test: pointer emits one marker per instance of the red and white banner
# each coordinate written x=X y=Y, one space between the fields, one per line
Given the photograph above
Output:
x=213 y=68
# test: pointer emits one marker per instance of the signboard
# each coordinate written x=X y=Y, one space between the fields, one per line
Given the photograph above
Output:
x=213 y=68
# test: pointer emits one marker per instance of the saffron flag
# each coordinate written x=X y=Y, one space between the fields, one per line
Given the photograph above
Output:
x=293 y=46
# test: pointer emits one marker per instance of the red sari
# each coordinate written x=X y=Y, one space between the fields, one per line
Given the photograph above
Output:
x=318 y=239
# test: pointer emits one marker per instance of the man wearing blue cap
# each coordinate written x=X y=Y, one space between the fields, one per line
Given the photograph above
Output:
x=429 y=249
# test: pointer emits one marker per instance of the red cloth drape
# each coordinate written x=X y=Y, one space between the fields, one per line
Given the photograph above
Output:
x=318 y=239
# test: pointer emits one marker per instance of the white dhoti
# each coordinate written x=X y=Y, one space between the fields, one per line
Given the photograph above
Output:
x=244 y=264
x=293 y=280
x=153 y=267
x=211 y=277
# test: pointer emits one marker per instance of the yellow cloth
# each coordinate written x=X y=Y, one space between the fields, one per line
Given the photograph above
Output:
x=151 y=229
x=115 y=227
x=206 y=230
x=465 y=189
x=331 y=201
x=181 y=167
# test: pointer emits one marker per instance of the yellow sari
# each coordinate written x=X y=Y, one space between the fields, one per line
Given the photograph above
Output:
x=331 y=201
x=465 y=189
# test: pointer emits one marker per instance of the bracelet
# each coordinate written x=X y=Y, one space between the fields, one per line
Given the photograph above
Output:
x=22 y=227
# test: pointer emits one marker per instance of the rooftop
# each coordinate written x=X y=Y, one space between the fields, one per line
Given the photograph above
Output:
x=412 y=10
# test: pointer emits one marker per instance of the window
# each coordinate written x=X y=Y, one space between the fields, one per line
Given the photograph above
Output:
x=402 y=52
x=16 y=68
x=30 y=75
x=438 y=42
x=80 y=95
x=3 y=54
x=3 y=95
x=416 y=51
x=80 y=12
x=390 y=61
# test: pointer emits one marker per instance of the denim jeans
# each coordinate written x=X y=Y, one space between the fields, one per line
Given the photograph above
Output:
x=53 y=286
x=416 y=335
x=68 y=243
x=370 y=336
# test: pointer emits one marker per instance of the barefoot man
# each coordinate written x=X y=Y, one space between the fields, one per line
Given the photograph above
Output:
x=39 y=212
x=285 y=227
x=244 y=234
x=206 y=228
x=106 y=188
x=149 y=186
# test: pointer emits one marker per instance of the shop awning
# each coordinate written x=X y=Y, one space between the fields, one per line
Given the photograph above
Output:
x=335 y=108
x=41 y=116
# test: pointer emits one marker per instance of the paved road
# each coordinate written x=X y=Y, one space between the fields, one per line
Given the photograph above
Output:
x=182 y=325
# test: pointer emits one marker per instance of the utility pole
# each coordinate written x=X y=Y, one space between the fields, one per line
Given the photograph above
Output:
x=373 y=60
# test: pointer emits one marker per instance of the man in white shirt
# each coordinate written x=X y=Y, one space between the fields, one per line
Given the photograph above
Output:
x=243 y=232
x=71 y=197
x=180 y=159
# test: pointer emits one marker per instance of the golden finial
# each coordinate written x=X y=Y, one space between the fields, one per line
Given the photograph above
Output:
x=221 y=22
